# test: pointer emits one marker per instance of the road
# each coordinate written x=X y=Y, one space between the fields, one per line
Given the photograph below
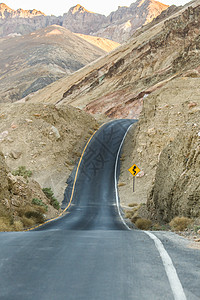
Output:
x=91 y=253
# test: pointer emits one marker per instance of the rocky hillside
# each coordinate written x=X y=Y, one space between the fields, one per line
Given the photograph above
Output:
x=164 y=145
x=31 y=62
x=118 y=26
x=117 y=83
x=18 y=210
x=121 y=24
x=48 y=142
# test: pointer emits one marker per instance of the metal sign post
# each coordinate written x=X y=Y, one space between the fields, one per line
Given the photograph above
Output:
x=134 y=170
x=133 y=184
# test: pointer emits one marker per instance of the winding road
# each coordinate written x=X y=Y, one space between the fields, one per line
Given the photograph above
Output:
x=91 y=253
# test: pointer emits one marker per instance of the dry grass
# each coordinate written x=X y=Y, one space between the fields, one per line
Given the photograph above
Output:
x=133 y=204
x=27 y=222
x=180 y=223
x=91 y=131
x=18 y=225
x=134 y=218
x=129 y=214
x=123 y=157
x=143 y=224
x=121 y=184
x=5 y=224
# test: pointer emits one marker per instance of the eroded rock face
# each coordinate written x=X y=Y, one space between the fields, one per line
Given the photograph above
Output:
x=165 y=146
x=176 y=191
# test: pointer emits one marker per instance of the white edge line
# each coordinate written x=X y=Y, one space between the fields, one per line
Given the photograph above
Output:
x=170 y=270
x=115 y=175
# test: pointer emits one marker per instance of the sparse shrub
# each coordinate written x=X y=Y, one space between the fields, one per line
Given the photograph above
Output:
x=53 y=201
x=21 y=171
x=180 y=223
x=158 y=227
x=129 y=214
x=28 y=222
x=134 y=218
x=48 y=192
x=4 y=224
x=36 y=215
x=132 y=204
x=39 y=202
x=121 y=184
x=196 y=229
x=143 y=224
x=18 y=225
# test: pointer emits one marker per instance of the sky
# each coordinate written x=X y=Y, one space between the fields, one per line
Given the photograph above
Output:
x=59 y=7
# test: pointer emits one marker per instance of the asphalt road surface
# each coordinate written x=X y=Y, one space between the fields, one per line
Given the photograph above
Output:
x=91 y=253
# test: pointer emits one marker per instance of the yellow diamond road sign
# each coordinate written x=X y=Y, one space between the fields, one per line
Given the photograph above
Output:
x=134 y=170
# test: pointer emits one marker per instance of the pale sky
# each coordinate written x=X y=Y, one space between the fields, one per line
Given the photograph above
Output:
x=58 y=7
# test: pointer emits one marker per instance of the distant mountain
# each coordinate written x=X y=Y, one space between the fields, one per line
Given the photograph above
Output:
x=31 y=62
x=20 y=22
x=122 y=23
x=118 y=26
x=7 y=12
x=80 y=20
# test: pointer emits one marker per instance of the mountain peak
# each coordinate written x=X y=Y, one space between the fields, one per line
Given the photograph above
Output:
x=6 y=12
x=4 y=7
x=79 y=9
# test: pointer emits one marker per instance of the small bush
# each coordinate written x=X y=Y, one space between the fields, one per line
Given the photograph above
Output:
x=21 y=171
x=129 y=214
x=27 y=222
x=159 y=227
x=5 y=224
x=196 y=229
x=133 y=204
x=143 y=224
x=121 y=184
x=48 y=192
x=39 y=202
x=18 y=225
x=35 y=215
x=180 y=223
x=53 y=201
